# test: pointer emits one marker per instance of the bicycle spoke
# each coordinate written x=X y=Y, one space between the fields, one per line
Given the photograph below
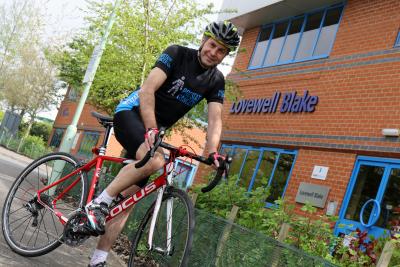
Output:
x=54 y=223
x=30 y=217
x=26 y=216
x=25 y=229
x=44 y=225
x=179 y=242
x=21 y=208
x=34 y=235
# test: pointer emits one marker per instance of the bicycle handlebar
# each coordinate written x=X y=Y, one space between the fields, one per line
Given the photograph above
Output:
x=151 y=152
x=223 y=163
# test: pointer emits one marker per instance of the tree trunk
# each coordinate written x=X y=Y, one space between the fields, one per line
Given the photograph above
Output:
x=22 y=113
x=28 y=130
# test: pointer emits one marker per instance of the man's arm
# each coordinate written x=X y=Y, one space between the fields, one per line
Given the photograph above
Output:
x=214 y=126
x=146 y=96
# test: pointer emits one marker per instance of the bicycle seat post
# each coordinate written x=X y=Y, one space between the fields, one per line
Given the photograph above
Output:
x=107 y=123
x=107 y=136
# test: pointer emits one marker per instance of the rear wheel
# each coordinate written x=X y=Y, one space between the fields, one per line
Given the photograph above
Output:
x=30 y=228
x=181 y=233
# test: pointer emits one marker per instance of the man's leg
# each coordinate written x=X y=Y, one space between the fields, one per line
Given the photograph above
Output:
x=124 y=182
x=115 y=226
x=130 y=175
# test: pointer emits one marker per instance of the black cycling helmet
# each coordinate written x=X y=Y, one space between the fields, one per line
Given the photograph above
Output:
x=223 y=32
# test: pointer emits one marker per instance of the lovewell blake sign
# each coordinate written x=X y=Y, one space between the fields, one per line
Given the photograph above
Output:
x=291 y=103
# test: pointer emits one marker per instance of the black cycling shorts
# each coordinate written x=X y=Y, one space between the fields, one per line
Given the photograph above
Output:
x=129 y=131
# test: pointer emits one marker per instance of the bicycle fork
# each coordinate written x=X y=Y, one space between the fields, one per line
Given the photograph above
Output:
x=168 y=245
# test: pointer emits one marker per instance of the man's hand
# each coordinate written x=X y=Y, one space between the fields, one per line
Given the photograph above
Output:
x=215 y=158
x=150 y=137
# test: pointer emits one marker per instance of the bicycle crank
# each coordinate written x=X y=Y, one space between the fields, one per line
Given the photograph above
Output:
x=76 y=230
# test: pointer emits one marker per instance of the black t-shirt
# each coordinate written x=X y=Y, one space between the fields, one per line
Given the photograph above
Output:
x=186 y=85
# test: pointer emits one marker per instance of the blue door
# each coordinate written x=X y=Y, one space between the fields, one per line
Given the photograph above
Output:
x=372 y=203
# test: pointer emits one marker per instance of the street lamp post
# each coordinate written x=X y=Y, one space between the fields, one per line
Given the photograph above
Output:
x=69 y=136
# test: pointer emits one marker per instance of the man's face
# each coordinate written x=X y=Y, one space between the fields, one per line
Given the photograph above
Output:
x=212 y=53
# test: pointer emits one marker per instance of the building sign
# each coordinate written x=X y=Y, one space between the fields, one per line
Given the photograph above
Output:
x=291 y=103
x=314 y=194
x=320 y=172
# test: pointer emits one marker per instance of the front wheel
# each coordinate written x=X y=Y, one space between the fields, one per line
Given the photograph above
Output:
x=179 y=223
x=30 y=228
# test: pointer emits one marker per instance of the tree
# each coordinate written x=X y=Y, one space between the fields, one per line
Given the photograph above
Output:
x=20 y=24
x=142 y=30
x=28 y=80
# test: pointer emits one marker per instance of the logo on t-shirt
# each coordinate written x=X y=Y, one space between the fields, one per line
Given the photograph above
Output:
x=177 y=86
x=188 y=97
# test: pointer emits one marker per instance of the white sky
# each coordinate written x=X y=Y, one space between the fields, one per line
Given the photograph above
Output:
x=64 y=17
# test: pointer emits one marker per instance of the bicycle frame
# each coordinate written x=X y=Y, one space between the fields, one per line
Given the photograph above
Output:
x=159 y=183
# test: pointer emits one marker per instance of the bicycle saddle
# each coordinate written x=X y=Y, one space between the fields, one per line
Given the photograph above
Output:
x=103 y=119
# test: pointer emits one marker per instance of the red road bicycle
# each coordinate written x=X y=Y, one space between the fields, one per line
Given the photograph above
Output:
x=45 y=205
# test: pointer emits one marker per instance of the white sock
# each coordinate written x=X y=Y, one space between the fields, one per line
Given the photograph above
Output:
x=104 y=197
x=98 y=256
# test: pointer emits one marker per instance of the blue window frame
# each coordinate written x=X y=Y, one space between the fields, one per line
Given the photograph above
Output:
x=301 y=38
x=89 y=140
x=397 y=43
x=261 y=166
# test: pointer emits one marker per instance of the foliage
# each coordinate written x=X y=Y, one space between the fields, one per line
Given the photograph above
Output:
x=252 y=213
x=40 y=129
x=30 y=142
x=30 y=146
x=142 y=30
x=395 y=260
x=1 y=115
x=365 y=250
x=140 y=33
x=27 y=78
x=312 y=235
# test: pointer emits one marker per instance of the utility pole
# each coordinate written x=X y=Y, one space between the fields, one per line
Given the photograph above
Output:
x=69 y=136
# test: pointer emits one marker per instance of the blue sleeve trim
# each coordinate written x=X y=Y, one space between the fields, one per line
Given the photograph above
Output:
x=129 y=102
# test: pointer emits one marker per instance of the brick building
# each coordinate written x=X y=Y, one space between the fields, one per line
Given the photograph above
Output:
x=320 y=114
x=90 y=134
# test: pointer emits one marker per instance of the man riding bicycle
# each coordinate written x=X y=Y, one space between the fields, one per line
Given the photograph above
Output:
x=180 y=79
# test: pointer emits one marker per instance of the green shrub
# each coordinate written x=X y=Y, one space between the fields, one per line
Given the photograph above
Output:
x=40 y=129
x=33 y=147
x=252 y=213
x=312 y=235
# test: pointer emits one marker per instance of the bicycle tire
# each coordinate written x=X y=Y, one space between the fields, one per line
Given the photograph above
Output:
x=51 y=166
x=183 y=248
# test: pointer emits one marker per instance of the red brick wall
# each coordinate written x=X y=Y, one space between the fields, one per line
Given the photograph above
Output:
x=358 y=87
x=86 y=121
x=340 y=169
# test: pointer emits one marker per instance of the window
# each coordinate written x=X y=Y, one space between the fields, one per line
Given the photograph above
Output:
x=184 y=174
x=264 y=167
x=397 y=43
x=89 y=141
x=57 y=137
x=72 y=95
x=301 y=38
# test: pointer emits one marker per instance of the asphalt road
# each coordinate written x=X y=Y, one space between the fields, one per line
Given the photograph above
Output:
x=11 y=165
